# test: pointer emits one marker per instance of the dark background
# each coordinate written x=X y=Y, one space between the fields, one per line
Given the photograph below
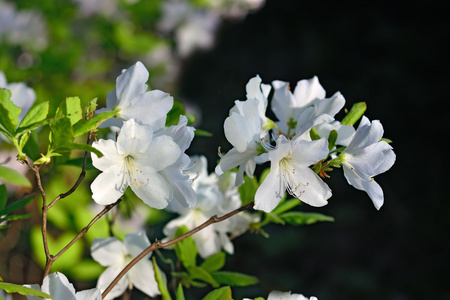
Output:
x=391 y=54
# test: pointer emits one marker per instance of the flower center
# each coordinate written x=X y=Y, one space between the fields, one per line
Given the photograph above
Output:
x=293 y=182
x=134 y=176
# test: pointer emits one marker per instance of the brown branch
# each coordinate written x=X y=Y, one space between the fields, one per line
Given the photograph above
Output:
x=85 y=229
x=159 y=245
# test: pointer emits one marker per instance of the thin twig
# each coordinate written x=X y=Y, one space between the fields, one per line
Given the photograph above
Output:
x=85 y=229
x=159 y=245
x=79 y=180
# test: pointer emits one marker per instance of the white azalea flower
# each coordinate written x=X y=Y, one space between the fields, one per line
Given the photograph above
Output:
x=58 y=287
x=365 y=157
x=177 y=174
x=115 y=255
x=277 y=295
x=243 y=129
x=288 y=106
x=289 y=170
x=214 y=197
x=133 y=101
x=134 y=161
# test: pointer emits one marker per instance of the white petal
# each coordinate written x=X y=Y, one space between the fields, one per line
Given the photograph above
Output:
x=233 y=158
x=134 y=138
x=108 y=276
x=108 y=251
x=131 y=83
x=238 y=132
x=142 y=276
x=148 y=107
x=313 y=191
x=180 y=133
x=58 y=286
x=372 y=188
x=91 y=294
x=135 y=243
x=306 y=153
x=110 y=156
x=162 y=153
x=109 y=186
x=372 y=160
x=330 y=106
x=155 y=192
x=270 y=192
x=308 y=90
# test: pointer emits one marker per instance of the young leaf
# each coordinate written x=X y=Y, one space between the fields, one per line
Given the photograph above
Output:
x=354 y=114
x=15 y=217
x=61 y=133
x=83 y=147
x=83 y=127
x=234 y=278
x=224 y=293
x=199 y=273
x=15 y=288
x=36 y=114
x=301 y=218
x=286 y=205
x=161 y=284
x=9 y=112
x=73 y=109
x=214 y=262
x=186 y=250
x=180 y=293
x=8 y=175
x=15 y=205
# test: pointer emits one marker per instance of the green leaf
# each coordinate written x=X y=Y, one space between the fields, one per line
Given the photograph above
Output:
x=199 y=273
x=302 y=218
x=15 y=205
x=73 y=109
x=83 y=127
x=9 y=112
x=15 y=288
x=248 y=189
x=223 y=293
x=214 y=262
x=36 y=114
x=15 y=217
x=83 y=147
x=3 y=196
x=186 y=250
x=61 y=133
x=161 y=284
x=8 y=175
x=286 y=205
x=354 y=114
x=234 y=278
x=180 y=293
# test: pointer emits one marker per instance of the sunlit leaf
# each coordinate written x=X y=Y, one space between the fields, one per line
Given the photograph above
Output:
x=15 y=288
x=9 y=175
x=223 y=293
x=354 y=114
x=234 y=278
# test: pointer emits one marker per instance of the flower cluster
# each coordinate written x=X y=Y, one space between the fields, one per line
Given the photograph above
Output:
x=302 y=144
x=147 y=157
